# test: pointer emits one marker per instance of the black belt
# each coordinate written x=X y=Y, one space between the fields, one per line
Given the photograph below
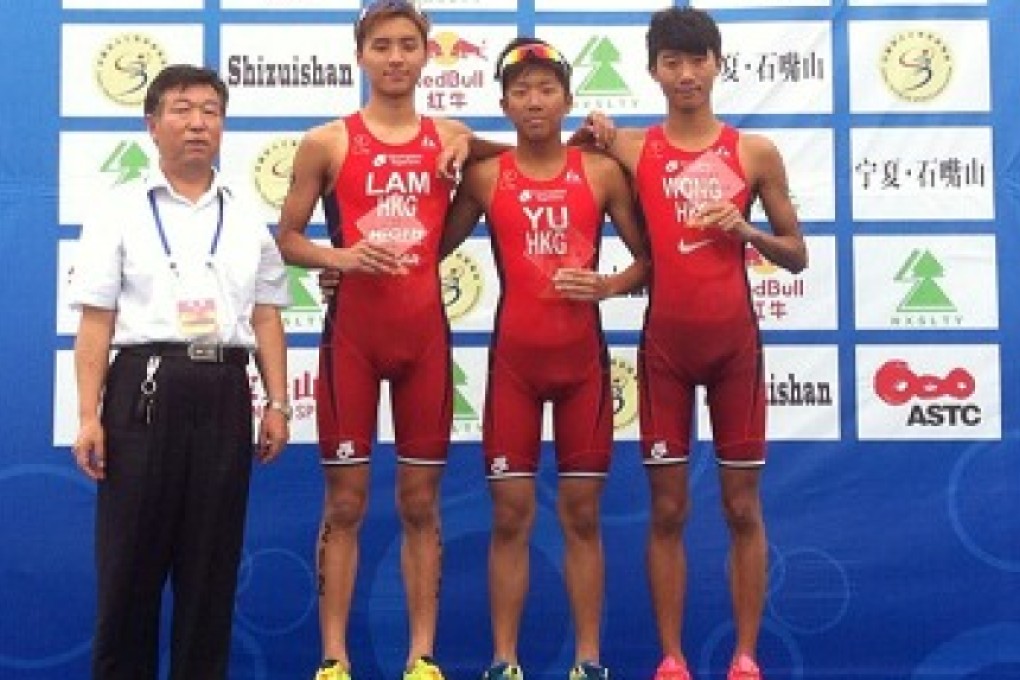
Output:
x=195 y=351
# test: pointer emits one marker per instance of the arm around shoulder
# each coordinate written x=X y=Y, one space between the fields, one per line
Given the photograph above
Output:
x=467 y=206
x=625 y=148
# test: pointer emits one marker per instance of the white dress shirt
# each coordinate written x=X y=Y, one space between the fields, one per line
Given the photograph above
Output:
x=122 y=264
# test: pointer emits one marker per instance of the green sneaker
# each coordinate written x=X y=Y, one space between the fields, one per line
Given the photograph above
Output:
x=503 y=671
x=424 y=668
x=589 y=670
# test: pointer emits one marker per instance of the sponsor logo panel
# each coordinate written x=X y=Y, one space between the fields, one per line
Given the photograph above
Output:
x=935 y=173
x=302 y=379
x=811 y=170
x=470 y=368
x=805 y=301
x=91 y=163
x=924 y=392
x=67 y=318
x=625 y=312
x=926 y=282
x=289 y=70
x=775 y=67
x=470 y=286
x=260 y=164
x=603 y=78
x=919 y=66
x=107 y=68
x=623 y=382
x=802 y=391
x=458 y=79
x=302 y=371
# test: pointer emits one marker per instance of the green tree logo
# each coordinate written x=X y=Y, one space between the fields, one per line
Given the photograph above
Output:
x=302 y=298
x=922 y=269
x=600 y=56
x=462 y=409
x=128 y=161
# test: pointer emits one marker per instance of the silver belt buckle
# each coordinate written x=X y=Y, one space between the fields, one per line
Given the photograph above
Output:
x=205 y=352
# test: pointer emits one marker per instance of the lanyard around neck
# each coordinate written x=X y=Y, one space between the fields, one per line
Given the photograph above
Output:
x=162 y=232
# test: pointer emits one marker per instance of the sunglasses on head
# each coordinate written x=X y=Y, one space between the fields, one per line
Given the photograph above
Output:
x=532 y=52
x=387 y=5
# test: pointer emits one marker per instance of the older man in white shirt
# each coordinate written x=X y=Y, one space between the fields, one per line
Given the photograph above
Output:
x=183 y=279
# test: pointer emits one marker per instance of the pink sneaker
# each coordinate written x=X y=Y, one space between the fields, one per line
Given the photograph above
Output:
x=671 y=669
x=744 y=668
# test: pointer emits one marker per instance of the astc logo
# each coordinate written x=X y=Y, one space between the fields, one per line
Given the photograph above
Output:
x=896 y=384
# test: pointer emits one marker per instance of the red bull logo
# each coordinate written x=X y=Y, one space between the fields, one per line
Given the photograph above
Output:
x=758 y=262
x=447 y=48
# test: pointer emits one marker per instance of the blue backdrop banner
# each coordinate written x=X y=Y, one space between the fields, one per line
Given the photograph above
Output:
x=892 y=492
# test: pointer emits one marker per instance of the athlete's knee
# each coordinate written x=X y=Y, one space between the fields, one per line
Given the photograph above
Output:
x=345 y=510
x=579 y=518
x=418 y=507
x=743 y=513
x=669 y=512
x=512 y=519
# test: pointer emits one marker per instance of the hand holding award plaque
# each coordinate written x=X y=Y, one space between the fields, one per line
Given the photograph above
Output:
x=709 y=185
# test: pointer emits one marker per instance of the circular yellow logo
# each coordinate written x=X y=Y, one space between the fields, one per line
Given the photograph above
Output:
x=126 y=66
x=623 y=386
x=916 y=65
x=461 y=279
x=273 y=169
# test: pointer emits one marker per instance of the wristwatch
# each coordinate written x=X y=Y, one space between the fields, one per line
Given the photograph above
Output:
x=281 y=406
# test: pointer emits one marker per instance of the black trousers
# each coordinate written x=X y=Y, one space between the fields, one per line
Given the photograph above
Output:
x=172 y=506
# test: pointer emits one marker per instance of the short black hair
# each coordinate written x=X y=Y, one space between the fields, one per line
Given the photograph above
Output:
x=683 y=29
x=178 y=77
x=381 y=10
x=561 y=69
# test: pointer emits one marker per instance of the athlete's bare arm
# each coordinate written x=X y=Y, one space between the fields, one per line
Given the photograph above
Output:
x=316 y=163
x=614 y=196
x=763 y=165
x=455 y=138
x=468 y=204
x=785 y=245
x=621 y=206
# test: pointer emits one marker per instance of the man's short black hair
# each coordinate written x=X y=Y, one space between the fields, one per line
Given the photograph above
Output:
x=683 y=29
x=178 y=77
x=505 y=74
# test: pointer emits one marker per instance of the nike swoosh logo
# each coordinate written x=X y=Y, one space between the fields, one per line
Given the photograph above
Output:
x=686 y=248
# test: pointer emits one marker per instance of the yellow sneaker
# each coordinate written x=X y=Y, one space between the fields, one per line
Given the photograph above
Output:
x=332 y=670
x=424 y=669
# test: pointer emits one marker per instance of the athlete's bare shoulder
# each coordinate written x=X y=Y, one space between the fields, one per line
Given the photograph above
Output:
x=599 y=166
x=328 y=137
x=322 y=152
x=756 y=144
x=759 y=155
